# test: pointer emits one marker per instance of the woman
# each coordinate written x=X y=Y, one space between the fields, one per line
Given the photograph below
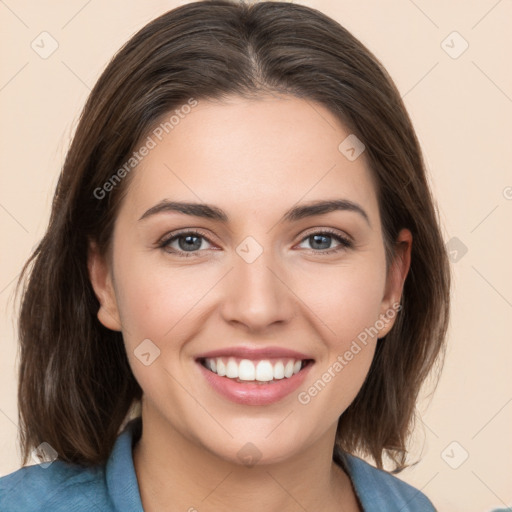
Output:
x=243 y=283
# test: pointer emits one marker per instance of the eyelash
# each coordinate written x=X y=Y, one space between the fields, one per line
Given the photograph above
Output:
x=163 y=244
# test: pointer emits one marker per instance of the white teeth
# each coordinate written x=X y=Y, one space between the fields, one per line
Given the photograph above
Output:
x=264 y=371
x=232 y=369
x=279 y=370
x=247 y=370
x=221 y=368
x=288 y=369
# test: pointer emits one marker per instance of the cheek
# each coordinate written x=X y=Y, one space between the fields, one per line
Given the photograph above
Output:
x=347 y=303
x=350 y=349
x=155 y=299
x=346 y=299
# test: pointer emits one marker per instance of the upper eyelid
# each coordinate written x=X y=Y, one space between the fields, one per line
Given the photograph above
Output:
x=194 y=231
x=329 y=231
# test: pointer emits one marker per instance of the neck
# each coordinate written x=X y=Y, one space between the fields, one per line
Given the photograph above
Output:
x=176 y=474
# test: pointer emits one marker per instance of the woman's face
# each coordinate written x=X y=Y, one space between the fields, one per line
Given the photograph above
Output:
x=253 y=282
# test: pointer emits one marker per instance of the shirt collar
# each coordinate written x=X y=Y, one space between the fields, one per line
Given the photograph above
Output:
x=122 y=485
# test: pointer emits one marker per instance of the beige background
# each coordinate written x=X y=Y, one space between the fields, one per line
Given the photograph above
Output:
x=462 y=111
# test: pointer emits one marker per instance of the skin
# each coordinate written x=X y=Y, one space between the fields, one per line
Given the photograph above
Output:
x=255 y=159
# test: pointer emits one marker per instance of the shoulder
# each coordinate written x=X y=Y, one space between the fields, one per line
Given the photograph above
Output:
x=65 y=487
x=381 y=490
x=57 y=487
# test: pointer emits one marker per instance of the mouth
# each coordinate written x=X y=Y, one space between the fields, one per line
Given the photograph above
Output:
x=260 y=371
x=254 y=378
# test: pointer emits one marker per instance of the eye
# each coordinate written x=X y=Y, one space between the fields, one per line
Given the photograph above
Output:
x=189 y=243
x=322 y=240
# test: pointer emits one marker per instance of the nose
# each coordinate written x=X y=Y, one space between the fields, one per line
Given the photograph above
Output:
x=257 y=294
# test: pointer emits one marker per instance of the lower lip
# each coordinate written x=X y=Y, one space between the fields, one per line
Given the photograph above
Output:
x=251 y=393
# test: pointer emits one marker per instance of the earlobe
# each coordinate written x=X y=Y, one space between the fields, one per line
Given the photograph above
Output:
x=101 y=280
x=395 y=280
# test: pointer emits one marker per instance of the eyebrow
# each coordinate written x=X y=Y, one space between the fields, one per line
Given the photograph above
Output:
x=294 y=214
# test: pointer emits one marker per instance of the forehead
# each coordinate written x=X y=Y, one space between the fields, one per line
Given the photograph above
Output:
x=253 y=154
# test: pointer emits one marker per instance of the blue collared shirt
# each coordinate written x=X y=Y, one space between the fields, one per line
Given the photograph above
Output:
x=113 y=487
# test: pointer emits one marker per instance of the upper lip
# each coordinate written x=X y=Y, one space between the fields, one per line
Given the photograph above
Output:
x=254 y=353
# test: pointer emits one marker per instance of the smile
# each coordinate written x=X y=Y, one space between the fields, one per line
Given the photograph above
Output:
x=247 y=370
x=253 y=377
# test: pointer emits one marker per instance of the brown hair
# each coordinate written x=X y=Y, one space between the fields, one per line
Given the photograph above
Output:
x=76 y=388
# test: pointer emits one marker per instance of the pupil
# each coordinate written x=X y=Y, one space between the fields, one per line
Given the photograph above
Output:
x=326 y=244
x=187 y=245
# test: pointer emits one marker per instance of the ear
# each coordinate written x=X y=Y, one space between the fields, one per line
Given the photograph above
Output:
x=101 y=280
x=395 y=279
